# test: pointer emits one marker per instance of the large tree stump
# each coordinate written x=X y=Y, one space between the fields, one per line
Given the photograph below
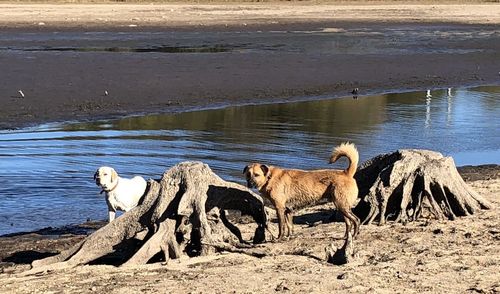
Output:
x=399 y=185
x=183 y=213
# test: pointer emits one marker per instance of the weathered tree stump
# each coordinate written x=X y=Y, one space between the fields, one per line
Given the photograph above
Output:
x=183 y=213
x=399 y=185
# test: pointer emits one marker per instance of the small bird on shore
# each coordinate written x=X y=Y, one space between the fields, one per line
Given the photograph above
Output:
x=106 y=93
x=449 y=92
x=21 y=93
x=428 y=95
x=354 y=93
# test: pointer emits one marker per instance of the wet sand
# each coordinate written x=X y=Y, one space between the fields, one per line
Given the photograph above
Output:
x=385 y=53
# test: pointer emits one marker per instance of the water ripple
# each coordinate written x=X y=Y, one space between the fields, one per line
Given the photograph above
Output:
x=46 y=172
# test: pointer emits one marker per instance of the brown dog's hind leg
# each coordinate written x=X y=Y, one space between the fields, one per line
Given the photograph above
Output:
x=341 y=201
x=348 y=225
x=351 y=220
x=355 y=221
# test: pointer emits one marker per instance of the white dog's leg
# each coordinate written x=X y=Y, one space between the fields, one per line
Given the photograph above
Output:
x=112 y=214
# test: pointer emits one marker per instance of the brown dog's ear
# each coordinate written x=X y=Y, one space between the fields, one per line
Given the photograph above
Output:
x=265 y=169
x=114 y=175
x=245 y=169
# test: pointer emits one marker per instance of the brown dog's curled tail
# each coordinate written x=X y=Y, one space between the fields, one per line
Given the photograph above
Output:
x=348 y=150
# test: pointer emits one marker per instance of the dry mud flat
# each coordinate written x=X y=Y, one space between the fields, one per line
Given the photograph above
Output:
x=289 y=56
x=460 y=256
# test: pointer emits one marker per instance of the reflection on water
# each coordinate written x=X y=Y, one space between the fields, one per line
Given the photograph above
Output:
x=46 y=173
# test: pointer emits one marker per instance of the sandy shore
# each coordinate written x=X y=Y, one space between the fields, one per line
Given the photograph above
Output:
x=432 y=256
x=275 y=52
x=240 y=14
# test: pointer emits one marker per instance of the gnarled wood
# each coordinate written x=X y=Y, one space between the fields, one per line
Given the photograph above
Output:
x=183 y=213
x=400 y=185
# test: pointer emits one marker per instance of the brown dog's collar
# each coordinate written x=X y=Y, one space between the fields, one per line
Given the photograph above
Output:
x=111 y=190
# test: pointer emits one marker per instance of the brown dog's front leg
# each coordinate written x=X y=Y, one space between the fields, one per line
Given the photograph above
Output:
x=280 y=211
x=289 y=221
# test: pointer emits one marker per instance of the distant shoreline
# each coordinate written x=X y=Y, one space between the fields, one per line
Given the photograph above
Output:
x=260 y=2
x=240 y=13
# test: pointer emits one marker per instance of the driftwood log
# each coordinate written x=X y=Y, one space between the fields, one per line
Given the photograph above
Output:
x=182 y=213
x=399 y=186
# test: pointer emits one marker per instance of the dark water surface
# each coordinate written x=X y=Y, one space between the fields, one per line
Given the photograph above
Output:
x=46 y=172
x=398 y=39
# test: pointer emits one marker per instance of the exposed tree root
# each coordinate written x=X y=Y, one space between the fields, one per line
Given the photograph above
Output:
x=184 y=213
x=400 y=185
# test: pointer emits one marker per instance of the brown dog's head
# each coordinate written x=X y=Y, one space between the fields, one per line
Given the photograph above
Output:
x=257 y=175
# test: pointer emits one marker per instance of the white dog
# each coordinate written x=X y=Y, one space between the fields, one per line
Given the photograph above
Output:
x=121 y=194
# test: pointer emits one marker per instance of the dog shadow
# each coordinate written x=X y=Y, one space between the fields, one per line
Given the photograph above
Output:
x=324 y=216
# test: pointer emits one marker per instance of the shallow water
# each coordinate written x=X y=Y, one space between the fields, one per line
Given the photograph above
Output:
x=46 y=172
x=397 y=39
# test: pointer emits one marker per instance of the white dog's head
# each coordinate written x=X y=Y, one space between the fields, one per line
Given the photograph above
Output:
x=106 y=178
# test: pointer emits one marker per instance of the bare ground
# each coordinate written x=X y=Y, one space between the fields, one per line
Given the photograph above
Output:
x=433 y=256
x=239 y=14
x=378 y=48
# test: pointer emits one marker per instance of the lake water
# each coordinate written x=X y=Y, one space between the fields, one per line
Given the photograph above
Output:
x=46 y=172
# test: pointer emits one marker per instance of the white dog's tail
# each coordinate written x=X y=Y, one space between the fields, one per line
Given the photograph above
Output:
x=348 y=150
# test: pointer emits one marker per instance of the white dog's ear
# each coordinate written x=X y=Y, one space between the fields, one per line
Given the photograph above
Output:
x=95 y=174
x=114 y=175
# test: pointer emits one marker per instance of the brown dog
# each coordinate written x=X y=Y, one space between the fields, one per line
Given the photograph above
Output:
x=288 y=189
